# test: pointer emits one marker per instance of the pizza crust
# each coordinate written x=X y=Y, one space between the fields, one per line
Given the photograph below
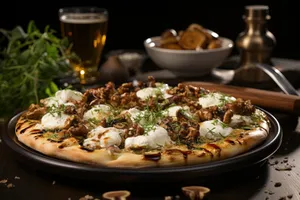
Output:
x=170 y=156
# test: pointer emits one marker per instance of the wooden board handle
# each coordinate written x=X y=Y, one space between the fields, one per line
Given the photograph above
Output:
x=263 y=98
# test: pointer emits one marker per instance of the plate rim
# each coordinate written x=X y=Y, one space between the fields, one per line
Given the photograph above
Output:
x=22 y=149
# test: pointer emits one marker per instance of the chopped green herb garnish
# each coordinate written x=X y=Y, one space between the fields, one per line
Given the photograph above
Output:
x=53 y=109
x=93 y=120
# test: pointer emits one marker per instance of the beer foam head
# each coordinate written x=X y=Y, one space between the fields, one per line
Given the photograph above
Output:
x=83 y=18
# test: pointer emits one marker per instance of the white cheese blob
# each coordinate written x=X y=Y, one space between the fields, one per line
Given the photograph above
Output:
x=147 y=92
x=139 y=117
x=68 y=95
x=62 y=97
x=155 y=138
x=51 y=101
x=53 y=121
x=173 y=110
x=159 y=136
x=97 y=112
x=214 y=129
x=153 y=92
x=140 y=141
x=214 y=99
x=103 y=137
x=240 y=119
x=163 y=88
x=133 y=113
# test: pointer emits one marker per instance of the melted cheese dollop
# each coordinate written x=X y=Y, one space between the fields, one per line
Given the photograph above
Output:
x=215 y=99
x=103 y=137
x=154 y=91
x=173 y=110
x=53 y=121
x=214 y=129
x=155 y=138
x=97 y=112
x=141 y=117
x=63 y=97
x=67 y=95
x=237 y=120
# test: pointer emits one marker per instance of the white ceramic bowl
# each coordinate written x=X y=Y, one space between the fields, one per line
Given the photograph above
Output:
x=188 y=63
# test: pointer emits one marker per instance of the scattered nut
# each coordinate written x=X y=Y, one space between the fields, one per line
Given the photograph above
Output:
x=114 y=195
x=284 y=168
x=87 y=197
x=195 y=192
x=277 y=184
x=3 y=181
x=10 y=185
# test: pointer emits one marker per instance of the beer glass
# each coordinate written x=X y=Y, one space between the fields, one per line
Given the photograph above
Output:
x=86 y=29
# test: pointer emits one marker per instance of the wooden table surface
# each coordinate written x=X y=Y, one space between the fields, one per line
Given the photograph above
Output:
x=265 y=182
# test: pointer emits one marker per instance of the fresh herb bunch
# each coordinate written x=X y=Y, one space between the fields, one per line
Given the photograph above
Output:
x=29 y=63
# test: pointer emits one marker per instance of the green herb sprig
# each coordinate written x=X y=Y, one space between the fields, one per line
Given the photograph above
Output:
x=29 y=63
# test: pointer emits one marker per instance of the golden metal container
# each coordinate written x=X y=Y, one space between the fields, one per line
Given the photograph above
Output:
x=255 y=45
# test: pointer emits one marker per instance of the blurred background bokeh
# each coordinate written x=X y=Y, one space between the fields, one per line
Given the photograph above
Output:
x=131 y=22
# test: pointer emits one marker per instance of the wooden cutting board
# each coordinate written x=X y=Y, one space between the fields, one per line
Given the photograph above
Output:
x=263 y=98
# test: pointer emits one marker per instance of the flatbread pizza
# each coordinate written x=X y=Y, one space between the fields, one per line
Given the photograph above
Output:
x=142 y=124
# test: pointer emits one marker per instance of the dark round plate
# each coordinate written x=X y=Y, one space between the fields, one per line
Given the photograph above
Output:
x=254 y=157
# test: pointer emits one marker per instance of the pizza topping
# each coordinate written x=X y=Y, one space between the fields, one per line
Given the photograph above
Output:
x=68 y=95
x=214 y=129
x=156 y=138
x=54 y=121
x=153 y=92
x=79 y=130
x=147 y=118
x=175 y=111
x=227 y=116
x=101 y=137
x=69 y=109
x=64 y=97
x=35 y=112
x=241 y=107
x=113 y=149
x=215 y=99
x=50 y=101
x=240 y=120
x=97 y=113
x=172 y=111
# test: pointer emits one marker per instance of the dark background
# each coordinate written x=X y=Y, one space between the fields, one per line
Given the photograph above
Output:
x=131 y=22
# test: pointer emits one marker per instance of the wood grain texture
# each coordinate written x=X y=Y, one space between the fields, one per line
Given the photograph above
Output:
x=263 y=98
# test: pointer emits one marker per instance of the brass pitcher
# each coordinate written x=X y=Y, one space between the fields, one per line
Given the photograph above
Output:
x=255 y=45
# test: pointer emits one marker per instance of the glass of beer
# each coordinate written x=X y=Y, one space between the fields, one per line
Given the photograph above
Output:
x=86 y=29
